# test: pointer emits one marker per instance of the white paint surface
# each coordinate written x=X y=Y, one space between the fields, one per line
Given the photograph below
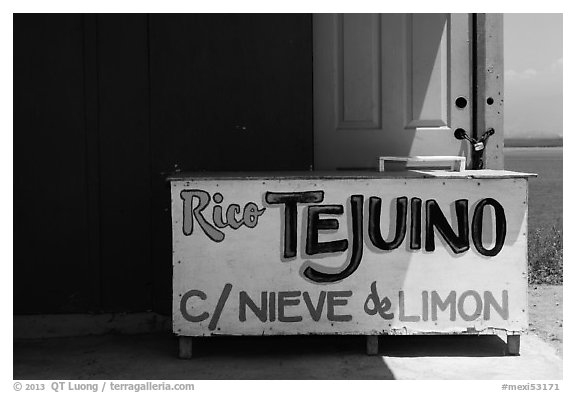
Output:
x=386 y=84
x=251 y=259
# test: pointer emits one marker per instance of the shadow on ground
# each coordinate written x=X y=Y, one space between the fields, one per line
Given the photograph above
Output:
x=442 y=346
x=153 y=356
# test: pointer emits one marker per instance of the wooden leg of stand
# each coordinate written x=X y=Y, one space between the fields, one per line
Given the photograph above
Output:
x=185 y=347
x=513 y=344
x=372 y=345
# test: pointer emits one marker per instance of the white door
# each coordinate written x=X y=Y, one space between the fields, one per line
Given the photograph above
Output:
x=388 y=85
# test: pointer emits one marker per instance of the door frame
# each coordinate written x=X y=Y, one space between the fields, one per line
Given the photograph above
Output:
x=488 y=77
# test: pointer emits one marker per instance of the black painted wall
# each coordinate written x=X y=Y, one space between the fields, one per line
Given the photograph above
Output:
x=105 y=106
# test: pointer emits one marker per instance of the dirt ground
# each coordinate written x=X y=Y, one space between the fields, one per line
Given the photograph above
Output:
x=545 y=314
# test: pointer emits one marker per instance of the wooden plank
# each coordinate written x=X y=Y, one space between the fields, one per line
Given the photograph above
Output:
x=51 y=257
x=411 y=174
x=125 y=162
x=323 y=256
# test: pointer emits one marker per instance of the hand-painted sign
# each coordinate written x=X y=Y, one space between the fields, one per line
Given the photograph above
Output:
x=348 y=255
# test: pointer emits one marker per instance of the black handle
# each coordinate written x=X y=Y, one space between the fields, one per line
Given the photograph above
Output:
x=478 y=146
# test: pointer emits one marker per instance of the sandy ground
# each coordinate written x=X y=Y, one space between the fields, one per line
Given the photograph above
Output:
x=545 y=314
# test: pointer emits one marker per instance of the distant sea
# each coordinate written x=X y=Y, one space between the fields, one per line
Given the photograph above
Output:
x=545 y=191
x=533 y=142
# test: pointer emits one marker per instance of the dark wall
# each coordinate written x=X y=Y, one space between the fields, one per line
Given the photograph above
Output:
x=52 y=269
x=105 y=106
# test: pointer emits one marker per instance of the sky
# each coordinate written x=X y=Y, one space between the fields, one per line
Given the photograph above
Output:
x=533 y=75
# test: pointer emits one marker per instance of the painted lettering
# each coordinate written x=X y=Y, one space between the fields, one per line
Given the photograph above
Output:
x=184 y=303
x=249 y=218
x=469 y=305
x=415 y=223
x=338 y=298
x=290 y=200
x=315 y=312
x=402 y=310
x=436 y=219
x=436 y=303
x=287 y=299
x=196 y=202
x=477 y=302
x=246 y=301
x=424 y=305
x=490 y=302
x=284 y=307
x=477 y=223
x=373 y=305
x=315 y=224
x=375 y=210
x=190 y=213
x=357 y=206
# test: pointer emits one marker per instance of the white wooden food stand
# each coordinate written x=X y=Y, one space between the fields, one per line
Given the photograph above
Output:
x=365 y=253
